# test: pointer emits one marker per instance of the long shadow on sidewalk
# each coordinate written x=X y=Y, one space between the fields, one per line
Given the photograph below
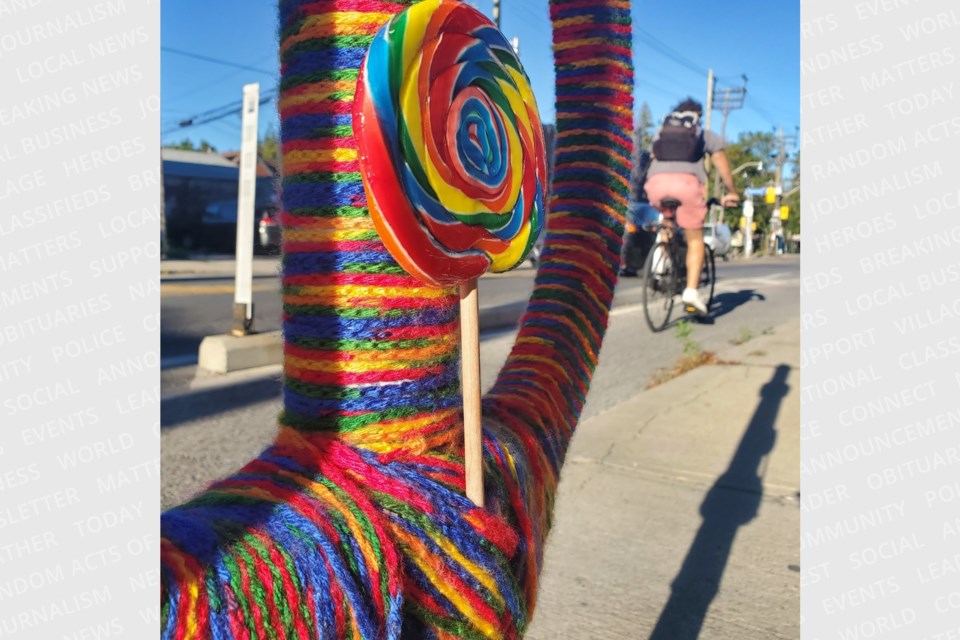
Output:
x=732 y=501
x=724 y=303
x=196 y=406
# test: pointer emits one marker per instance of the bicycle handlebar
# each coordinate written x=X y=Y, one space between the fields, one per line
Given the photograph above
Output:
x=713 y=201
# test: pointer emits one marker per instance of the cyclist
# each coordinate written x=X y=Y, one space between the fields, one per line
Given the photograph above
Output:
x=677 y=171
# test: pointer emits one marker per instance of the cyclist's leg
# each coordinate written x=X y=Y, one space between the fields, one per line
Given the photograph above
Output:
x=690 y=217
x=694 y=238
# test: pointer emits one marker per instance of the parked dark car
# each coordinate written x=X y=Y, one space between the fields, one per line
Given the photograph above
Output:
x=220 y=227
x=637 y=240
x=200 y=200
x=269 y=232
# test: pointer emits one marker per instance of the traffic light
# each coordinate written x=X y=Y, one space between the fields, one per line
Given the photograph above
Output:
x=771 y=196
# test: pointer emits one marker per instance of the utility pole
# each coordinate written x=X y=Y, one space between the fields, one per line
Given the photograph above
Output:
x=781 y=141
x=726 y=100
x=729 y=99
x=706 y=122
x=706 y=126
x=496 y=13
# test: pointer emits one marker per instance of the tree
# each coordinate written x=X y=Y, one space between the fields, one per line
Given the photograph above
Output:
x=643 y=133
x=792 y=225
x=270 y=147
x=751 y=147
x=188 y=145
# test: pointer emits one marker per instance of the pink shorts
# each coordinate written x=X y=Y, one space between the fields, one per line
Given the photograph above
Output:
x=683 y=187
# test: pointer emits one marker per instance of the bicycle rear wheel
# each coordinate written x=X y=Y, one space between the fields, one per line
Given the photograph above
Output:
x=708 y=276
x=659 y=286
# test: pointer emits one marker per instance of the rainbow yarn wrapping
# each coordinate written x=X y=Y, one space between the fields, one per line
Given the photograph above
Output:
x=451 y=144
x=353 y=524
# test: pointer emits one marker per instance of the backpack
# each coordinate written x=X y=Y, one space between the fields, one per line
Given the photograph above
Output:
x=680 y=138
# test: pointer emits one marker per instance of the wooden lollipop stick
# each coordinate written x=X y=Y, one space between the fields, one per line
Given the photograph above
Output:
x=470 y=376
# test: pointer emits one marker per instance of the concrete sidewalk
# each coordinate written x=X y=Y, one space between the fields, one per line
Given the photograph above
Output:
x=678 y=511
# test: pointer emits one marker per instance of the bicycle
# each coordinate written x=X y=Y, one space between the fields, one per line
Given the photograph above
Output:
x=665 y=269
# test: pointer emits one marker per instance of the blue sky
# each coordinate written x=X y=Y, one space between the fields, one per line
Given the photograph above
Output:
x=674 y=45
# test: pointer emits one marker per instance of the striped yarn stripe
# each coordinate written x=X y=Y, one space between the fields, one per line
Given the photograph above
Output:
x=353 y=524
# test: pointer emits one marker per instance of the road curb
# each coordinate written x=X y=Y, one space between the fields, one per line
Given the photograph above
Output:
x=224 y=355
x=200 y=277
x=228 y=353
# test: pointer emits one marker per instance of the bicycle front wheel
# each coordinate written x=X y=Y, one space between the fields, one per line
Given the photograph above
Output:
x=708 y=276
x=659 y=286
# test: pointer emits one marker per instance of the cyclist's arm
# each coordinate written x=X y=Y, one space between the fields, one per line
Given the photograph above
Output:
x=723 y=166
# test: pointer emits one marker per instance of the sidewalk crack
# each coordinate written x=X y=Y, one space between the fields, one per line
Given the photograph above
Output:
x=636 y=434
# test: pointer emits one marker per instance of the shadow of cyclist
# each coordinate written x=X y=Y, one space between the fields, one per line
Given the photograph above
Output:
x=732 y=501
x=724 y=303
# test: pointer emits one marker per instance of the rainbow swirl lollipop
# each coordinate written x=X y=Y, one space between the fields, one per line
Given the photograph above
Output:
x=451 y=146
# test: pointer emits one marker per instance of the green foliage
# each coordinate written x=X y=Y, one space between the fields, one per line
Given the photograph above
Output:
x=693 y=356
x=690 y=346
x=188 y=145
x=646 y=127
x=269 y=147
x=746 y=335
x=755 y=146
x=792 y=225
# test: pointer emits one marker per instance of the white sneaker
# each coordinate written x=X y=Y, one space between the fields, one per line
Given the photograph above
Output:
x=691 y=297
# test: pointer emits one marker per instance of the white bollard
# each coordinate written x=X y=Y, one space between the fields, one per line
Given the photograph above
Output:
x=243 y=289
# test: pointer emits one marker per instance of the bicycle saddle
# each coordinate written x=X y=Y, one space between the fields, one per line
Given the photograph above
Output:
x=669 y=203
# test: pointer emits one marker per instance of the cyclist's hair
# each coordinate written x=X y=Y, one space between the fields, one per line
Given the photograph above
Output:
x=689 y=104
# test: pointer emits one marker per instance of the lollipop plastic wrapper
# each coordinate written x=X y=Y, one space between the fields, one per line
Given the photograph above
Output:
x=453 y=164
x=451 y=146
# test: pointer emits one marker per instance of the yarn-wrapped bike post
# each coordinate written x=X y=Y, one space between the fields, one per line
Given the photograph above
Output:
x=353 y=523
x=453 y=164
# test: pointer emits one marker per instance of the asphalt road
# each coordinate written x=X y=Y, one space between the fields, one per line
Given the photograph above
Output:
x=195 y=308
x=208 y=435
x=191 y=309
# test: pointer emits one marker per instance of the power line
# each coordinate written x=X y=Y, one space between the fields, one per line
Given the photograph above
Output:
x=760 y=107
x=667 y=50
x=213 y=115
x=643 y=76
x=192 y=91
x=760 y=112
x=230 y=127
x=649 y=86
x=535 y=16
x=218 y=61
